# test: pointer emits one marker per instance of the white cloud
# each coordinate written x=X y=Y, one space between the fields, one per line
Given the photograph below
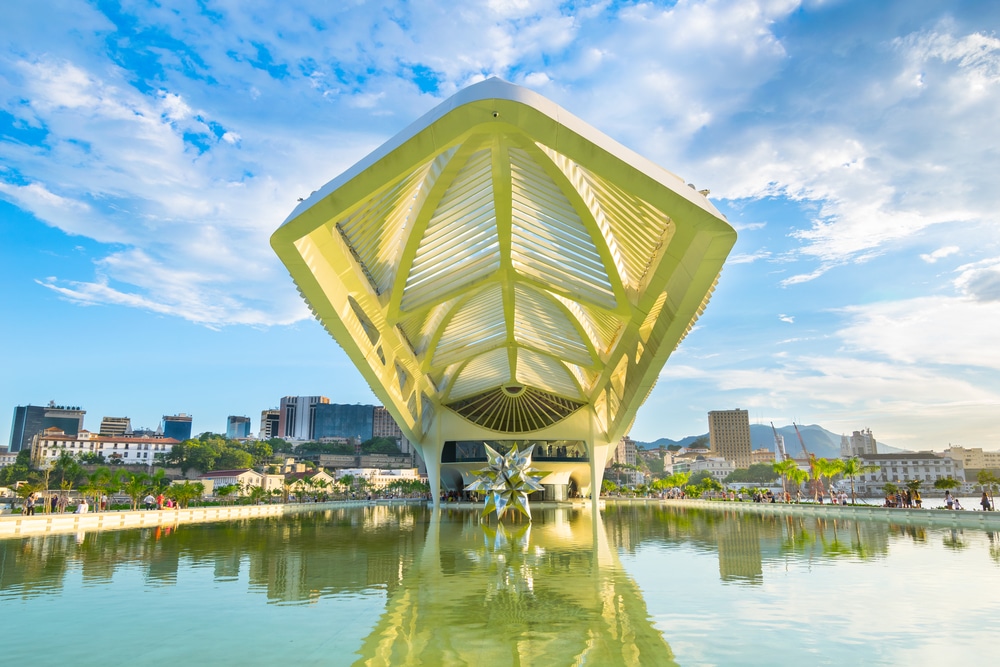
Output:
x=908 y=405
x=981 y=280
x=940 y=253
x=144 y=283
x=873 y=183
x=928 y=330
x=749 y=258
x=790 y=319
x=246 y=115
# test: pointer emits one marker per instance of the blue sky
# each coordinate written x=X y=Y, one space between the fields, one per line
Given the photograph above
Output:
x=148 y=150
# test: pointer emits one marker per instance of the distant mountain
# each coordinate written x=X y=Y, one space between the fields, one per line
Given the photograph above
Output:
x=819 y=441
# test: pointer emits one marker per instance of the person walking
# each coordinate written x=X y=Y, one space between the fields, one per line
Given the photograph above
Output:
x=949 y=502
x=985 y=502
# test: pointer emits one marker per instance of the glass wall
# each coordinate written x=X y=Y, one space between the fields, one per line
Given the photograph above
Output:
x=460 y=451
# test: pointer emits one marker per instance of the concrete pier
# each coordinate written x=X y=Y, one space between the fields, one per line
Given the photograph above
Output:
x=16 y=525
x=925 y=517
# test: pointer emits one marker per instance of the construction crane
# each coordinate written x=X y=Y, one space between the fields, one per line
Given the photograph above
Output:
x=779 y=445
x=817 y=483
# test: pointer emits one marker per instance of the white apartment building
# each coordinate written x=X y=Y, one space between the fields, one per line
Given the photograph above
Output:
x=681 y=460
x=928 y=467
x=49 y=445
x=717 y=467
x=244 y=478
x=379 y=479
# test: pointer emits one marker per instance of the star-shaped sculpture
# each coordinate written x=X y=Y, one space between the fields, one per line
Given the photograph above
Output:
x=507 y=481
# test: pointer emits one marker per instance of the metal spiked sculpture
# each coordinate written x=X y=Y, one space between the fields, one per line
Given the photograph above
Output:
x=507 y=481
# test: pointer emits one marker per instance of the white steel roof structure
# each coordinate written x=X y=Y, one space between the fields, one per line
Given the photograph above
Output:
x=502 y=269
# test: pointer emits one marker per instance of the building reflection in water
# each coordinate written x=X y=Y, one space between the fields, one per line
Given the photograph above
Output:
x=551 y=592
x=457 y=589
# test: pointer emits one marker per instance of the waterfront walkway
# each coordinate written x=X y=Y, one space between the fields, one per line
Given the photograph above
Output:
x=17 y=525
x=930 y=517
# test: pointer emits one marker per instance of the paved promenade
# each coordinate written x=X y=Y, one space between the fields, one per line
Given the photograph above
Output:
x=928 y=517
x=16 y=525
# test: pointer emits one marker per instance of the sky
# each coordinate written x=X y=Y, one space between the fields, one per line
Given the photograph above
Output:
x=149 y=149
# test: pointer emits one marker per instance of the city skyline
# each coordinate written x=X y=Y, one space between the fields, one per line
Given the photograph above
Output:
x=149 y=153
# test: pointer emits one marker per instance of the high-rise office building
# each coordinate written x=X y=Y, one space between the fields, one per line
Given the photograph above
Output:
x=27 y=423
x=729 y=436
x=297 y=416
x=67 y=419
x=177 y=426
x=30 y=420
x=334 y=420
x=237 y=428
x=269 y=421
x=115 y=426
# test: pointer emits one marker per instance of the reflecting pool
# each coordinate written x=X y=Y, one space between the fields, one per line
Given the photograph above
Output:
x=397 y=585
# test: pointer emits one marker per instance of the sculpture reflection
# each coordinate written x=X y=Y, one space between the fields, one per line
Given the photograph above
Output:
x=549 y=593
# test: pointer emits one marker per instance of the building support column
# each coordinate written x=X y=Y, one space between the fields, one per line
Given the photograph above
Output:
x=595 y=491
x=431 y=452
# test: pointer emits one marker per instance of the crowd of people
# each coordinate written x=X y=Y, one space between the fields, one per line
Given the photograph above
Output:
x=907 y=499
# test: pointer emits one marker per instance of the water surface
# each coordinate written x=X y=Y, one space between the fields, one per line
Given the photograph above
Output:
x=643 y=585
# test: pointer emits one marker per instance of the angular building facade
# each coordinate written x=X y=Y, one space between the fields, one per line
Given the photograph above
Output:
x=27 y=423
x=115 y=426
x=297 y=416
x=237 y=427
x=502 y=272
x=30 y=420
x=269 y=424
x=729 y=436
x=177 y=427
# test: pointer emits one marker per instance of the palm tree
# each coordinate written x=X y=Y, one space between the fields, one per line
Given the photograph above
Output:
x=224 y=491
x=828 y=468
x=66 y=466
x=159 y=481
x=348 y=483
x=257 y=494
x=186 y=492
x=136 y=486
x=854 y=467
x=116 y=479
x=96 y=486
x=782 y=469
x=797 y=476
